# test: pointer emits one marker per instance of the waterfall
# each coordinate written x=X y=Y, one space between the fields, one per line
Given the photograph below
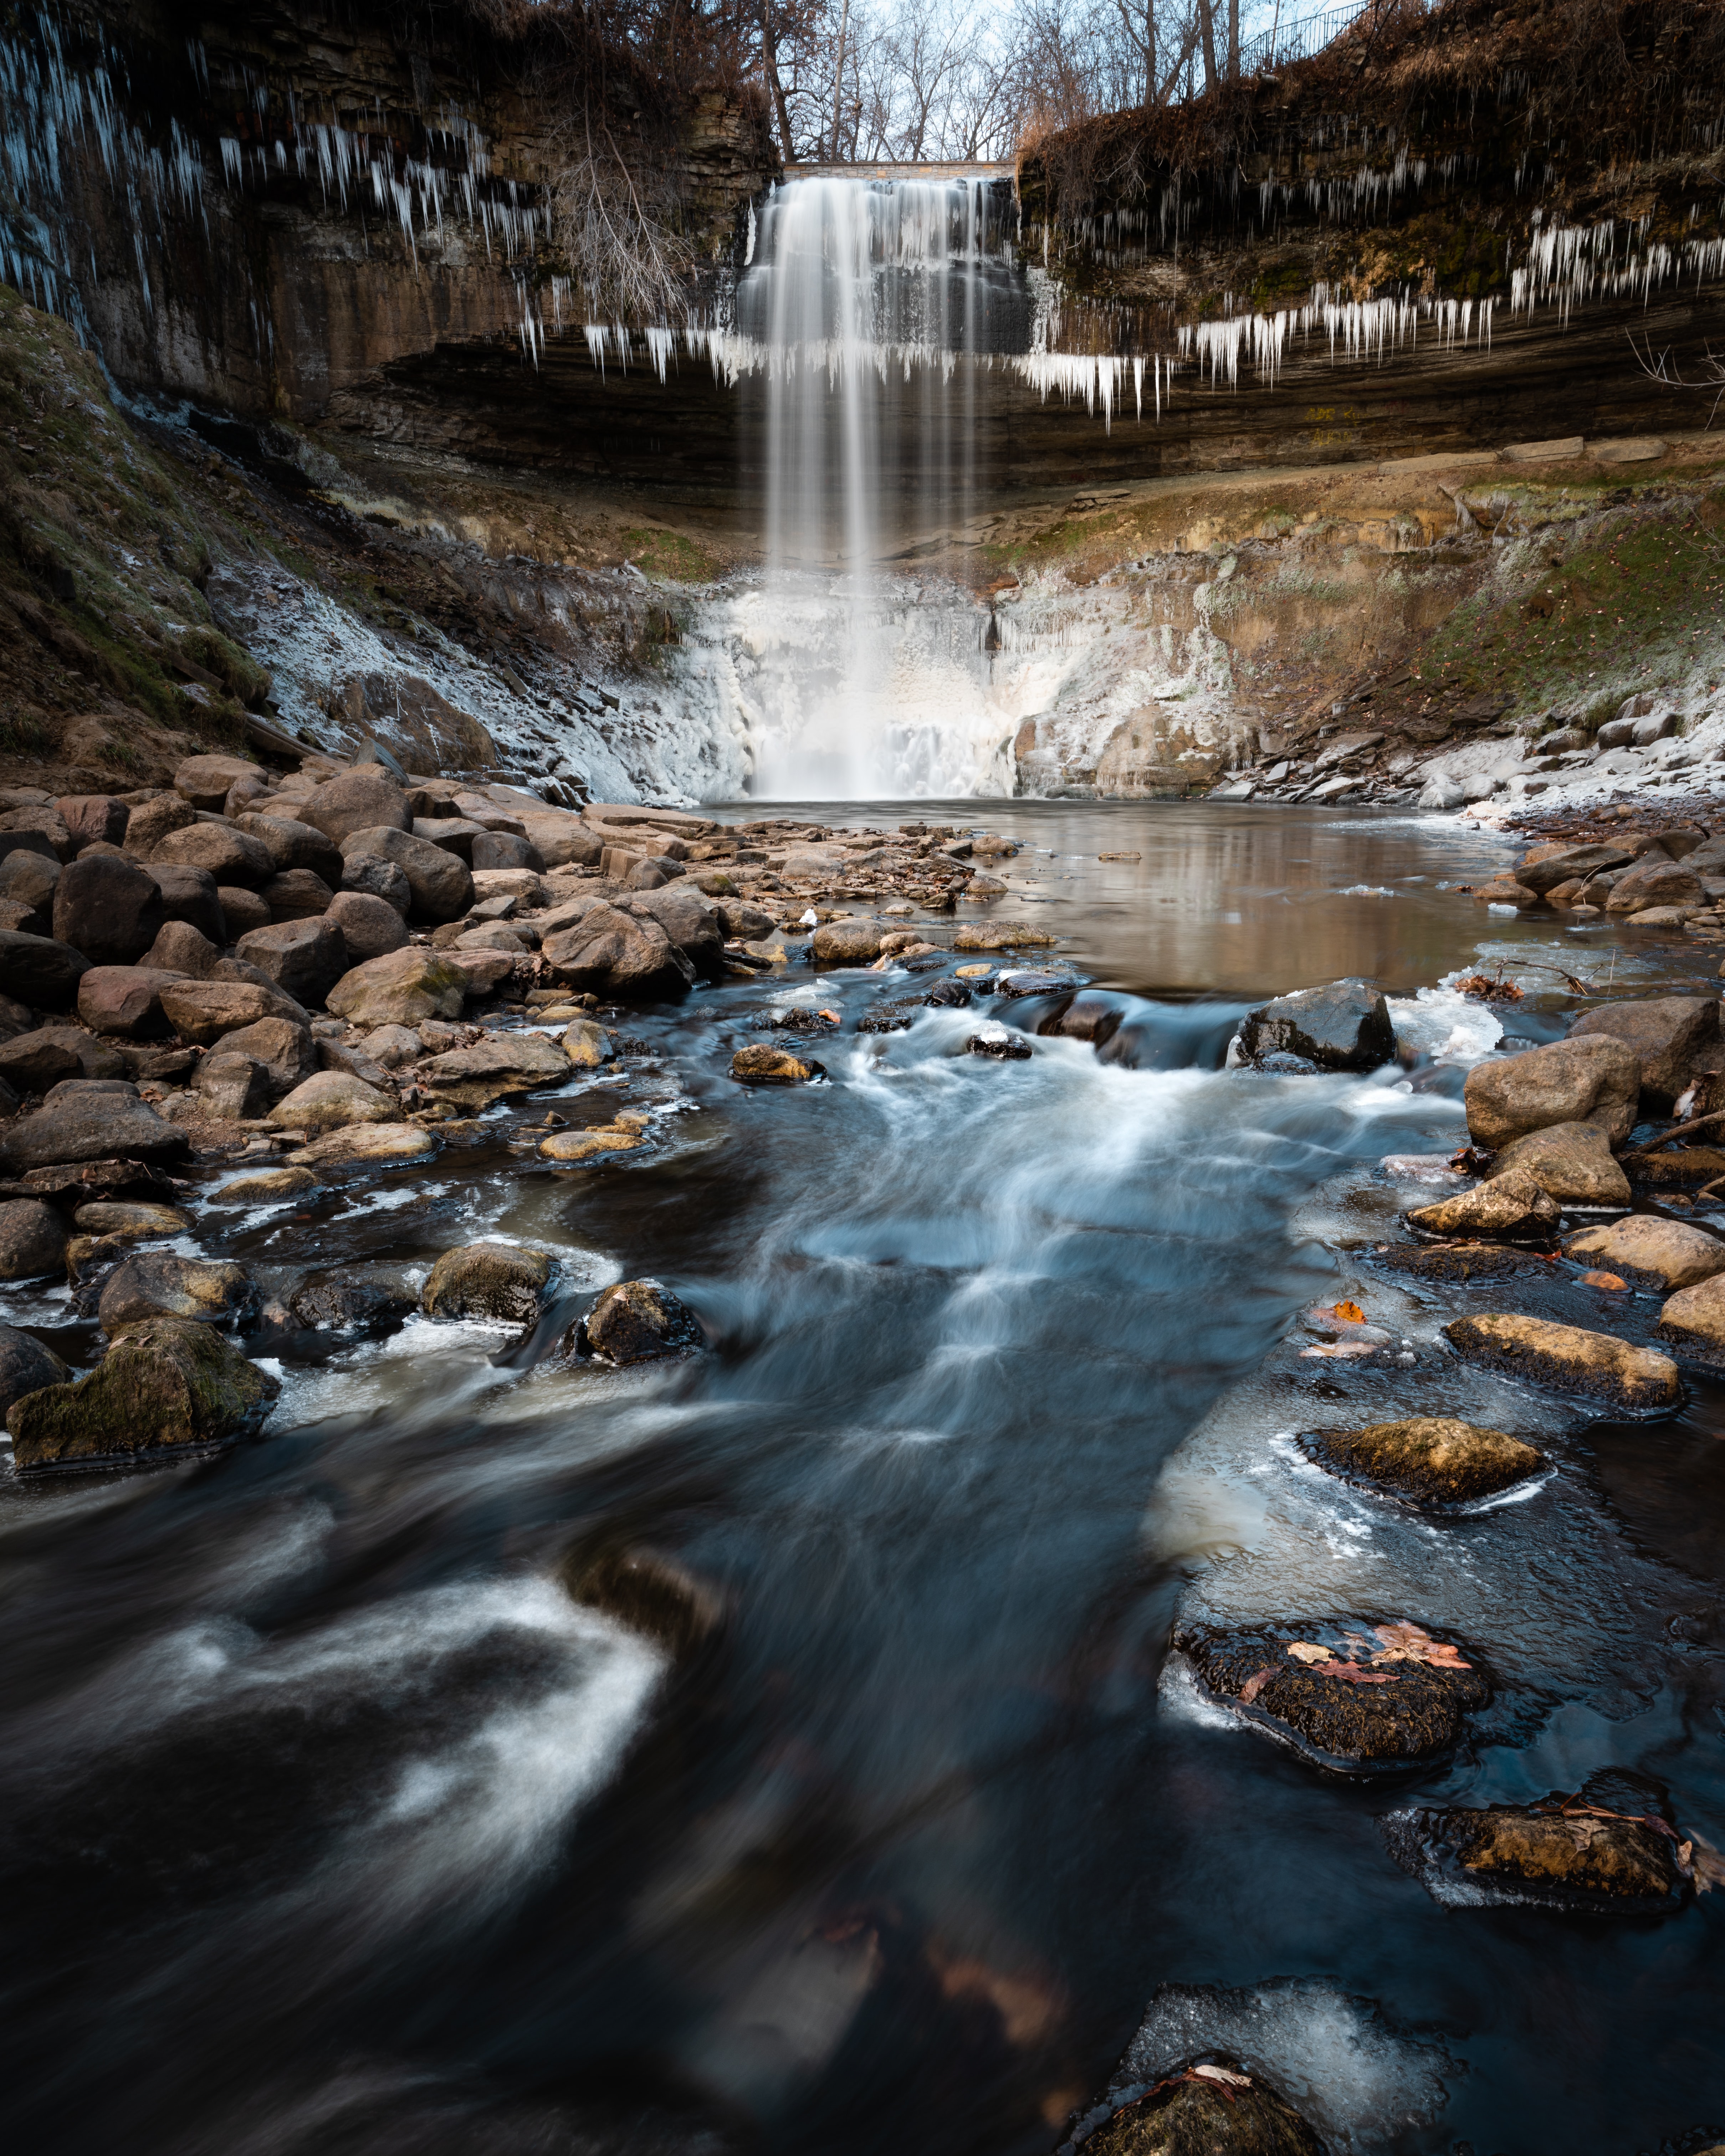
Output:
x=873 y=302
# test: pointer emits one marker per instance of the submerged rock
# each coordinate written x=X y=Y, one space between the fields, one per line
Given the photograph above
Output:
x=999 y=936
x=1642 y=1246
x=1429 y=1460
x=1594 y=1080
x=584 y=1145
x=1570 y=1359
x=489 y=1280
x=268 y=1185
x=1206 y=2107
x=1513 y=1205
x=649 y=1591
x=1349 y=1693
x=164 y=1387
x=1572 y=1162
x=898 y=1015
x=761 y=1063
x=1344 y=1026
x=1001 y=1047
x=636 y=1321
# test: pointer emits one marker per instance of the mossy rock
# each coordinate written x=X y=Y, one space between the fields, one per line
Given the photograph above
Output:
x=165 y=1387
x=1434 y=1461
x=1211 y=2108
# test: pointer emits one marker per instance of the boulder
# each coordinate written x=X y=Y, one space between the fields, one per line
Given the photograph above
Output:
x=371 y=927
x=205 y=781
x=282 y=1048
x=744 y=923
x=27 y=878
x=1594 y=1080
x=636 y=1321
x=999 y=936
x=400 y=988
x=189 y=895
x=505 y=850
x=1665 y=1032
x=33 y=1062
x=242 y=910
x=361 y=800
x=1571 y=1163
x=1512 y=1206
x=489 y=1280
x=125 y=1001
x=391 y=1046
x=102 y=1127
x=496 y=887
x=586 y=1145
x=32 y=1239
x=1603 y=1850
x=690 y=920
x=297 y=895
x=107 y=907
x=93 y=819
x=269 y=1186
x=294 y=847
x=26 y=1366
x=440 y=883
x=1657 y=880
x=1429 y=1460
x=48 y=822
x=164 y=1387
x=134 y=1219
x=1344 y=1026
x=481 y=971
x=850 y=941
x=389 y=1144
x=225 y=853
x=329 y=1100
x=370 y=875
x=1570 y=863
x=156 y=1284
x=616 y=954
x=762 y=1064
x=1694 y=1318
x=455 y=834
x=350 y=1300
x=203 y=1011
x=1207 y=2106
x=587 y=1045
x=1353 y=1694
x=305 y=958
x=1643 y=1247
x=494 y=1069
x=231 y=1086
x=40 y=970
x=1638 y=1380
x=153 y=820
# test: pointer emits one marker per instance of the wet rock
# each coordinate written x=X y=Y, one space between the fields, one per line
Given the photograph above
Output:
x=33 y=1062
x=1665 y=1033
x=1566 y=864
x=636 y=1321
x=489 y=1280
x=134 y=1219
x=763 y=1063
x=587 y=1045
x=100 y=1127
x=164 y=1386
x=849 y=941
x=350 y=1300
x=440 y=883
x=304 y=958
x=649 y=1591
x=330 y=1100
x=156 y=1284
x=999 y=936
x=232 y=1086
x=1657 y=880
x=1431 y=1461
x=1353 y=1694
x=495 y=1069
x=124 y=1001
x=616 y=953
x=266 y=1187
x=1092 y=1017
x=1572 y=1162
x=1570 y=1359
x=1596 y=1079
x=387 y=1144
x=362 y=800
x=283 y=1048
x=897 y=1015
x=1693 y=1319
x=1643 y=1247
x=40 y=970
x=297 y=895
x=204 y=1011
x=400 y=988
x=180 y=948
x=370 y=875
x=949 y=994
x=1018 y=983
x=1344 y=1026
x=1512 y=1206
x=32 y=1239
x=26 y=1366
x=1207 y=2107
x=587 y=1145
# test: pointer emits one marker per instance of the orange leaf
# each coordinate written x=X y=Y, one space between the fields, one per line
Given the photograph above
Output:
x=1353 y=1672
x=1254 y=1684
x=1350 y=1313
x=1601 y=1280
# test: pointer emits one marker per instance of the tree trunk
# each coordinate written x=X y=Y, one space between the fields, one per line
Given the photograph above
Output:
x=1234 y=40
x=1206 y=16
x=839 y=79
x=769 y=58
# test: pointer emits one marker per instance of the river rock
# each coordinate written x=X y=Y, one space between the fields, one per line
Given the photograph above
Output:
x=999 y=936
x=269 y=1186
x=585 y=1145
x=38 y=970
x=350 y=1300
x=1209 y=2107
x=587 y=1045
x=226 y=853
x=1000 y=1045
x=1643 y=1247
x=32 y=1239
x=33 y=1062
x=304 y=958
x=1344 y=1026
x=134 y=1219
x=400 y=988
x=1665 y=1034
x=371 y=927
x=489 y=1280
x=157 y=1284
x=748 y=923
x=28 y=878
x=616 y=953
x=850 y=941
x=387 y=1145
x=636 y=1321
x=297 y=895
x=26 y=1366
x=124 y=1001
x=1694 y=1318
x=361 y=800
x=203 y=1011
x=370 y=875
x=1571 y=1163
x=180 y=948
x=494 y=1069
x=1570 y=1360
x=1350 y=1694
x=1512 y=1205
x=90 y=1128
x=330 y=1100
x=283 y=1049
x=762 y=1064
x=691 y=920
x=1567 y=864
x=107 y=907
x=1596 y=1079
x=441 y=883
x=1657 y=880
x=164 y=1386
x=1429 y=1460
x=295 y=847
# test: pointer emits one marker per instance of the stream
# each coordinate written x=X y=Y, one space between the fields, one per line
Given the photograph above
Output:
x=329 y=1821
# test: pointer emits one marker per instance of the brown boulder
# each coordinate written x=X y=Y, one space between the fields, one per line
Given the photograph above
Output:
x=1641 y=1246
x=32 y=1062
x=49 y=822
x=1656 y=881
x=1665 y=1032
x=296 y=894
x=494 y=1069
x=151 y=820
x=1570 y=1359
x=232 y=1087
x=107 y=907
x=616 y=954
x=1571 y=1163
x=27 y=878
x=32 y=1239
x=293 y=844
x=164 y=1387
x=850 y=940
x=1429 y=1460
x=127 y=1000
x=180 y=948
x=90 y=1126
x=359 y=800
x=636 y=1321
x=330 y=1099
x=94 y=818
x=1596 y=1079
x=441 y=883
x=762 y=1064
x=205 y=781
x=203 y=1011
x=190 y=895
x=1205 y=2108
x=489 y=1280
x=26 y=1366
x=400 y=988
x=1512 y=1205
x=39 y=971
x=156 y=1284
x=371 y=928
x=304 y=958
x=225 y=853
x=282 y=1048
x=1603 y=1850
x=1694 y=1318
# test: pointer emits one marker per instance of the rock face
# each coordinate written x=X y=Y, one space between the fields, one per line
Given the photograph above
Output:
x=1665 y=1033
x=163 y=1387
x=90 y=1128
x=1352 y=1694
x=616 y=953
x=1343 y=1027
x=330 y=1100
x=26 y=1366
x=1512 y=1206
x=441 y=882
x=636 y=1321
x=39 y=971
x=155 y=1284
x=495 y=1069
x=108 y=908
x=1570 y=1360
x=1431 y=1461
x=1205 y=2108
x=1643 y=1247
x=357 y=801
x=399 y=988
x=489 y=1280
x=761 y=1063
x=1571 y=1163
x=1594 y=1080
x=32 y=1239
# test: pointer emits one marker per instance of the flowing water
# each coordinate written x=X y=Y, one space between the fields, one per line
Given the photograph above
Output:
x=329 y=1821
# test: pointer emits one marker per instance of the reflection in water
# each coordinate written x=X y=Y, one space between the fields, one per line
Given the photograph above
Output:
x=316 y=1781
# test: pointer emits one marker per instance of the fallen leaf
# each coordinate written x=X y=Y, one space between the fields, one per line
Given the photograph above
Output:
x=1222 y=2074
x=1406 y=1642
x=1352 y=1673
x=1602 y=1279
x=1350 y=1313
x=1255 y=1684
x=1303 y=1650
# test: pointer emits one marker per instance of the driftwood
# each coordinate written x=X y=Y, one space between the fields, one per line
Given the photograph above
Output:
x=1676 y=1131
